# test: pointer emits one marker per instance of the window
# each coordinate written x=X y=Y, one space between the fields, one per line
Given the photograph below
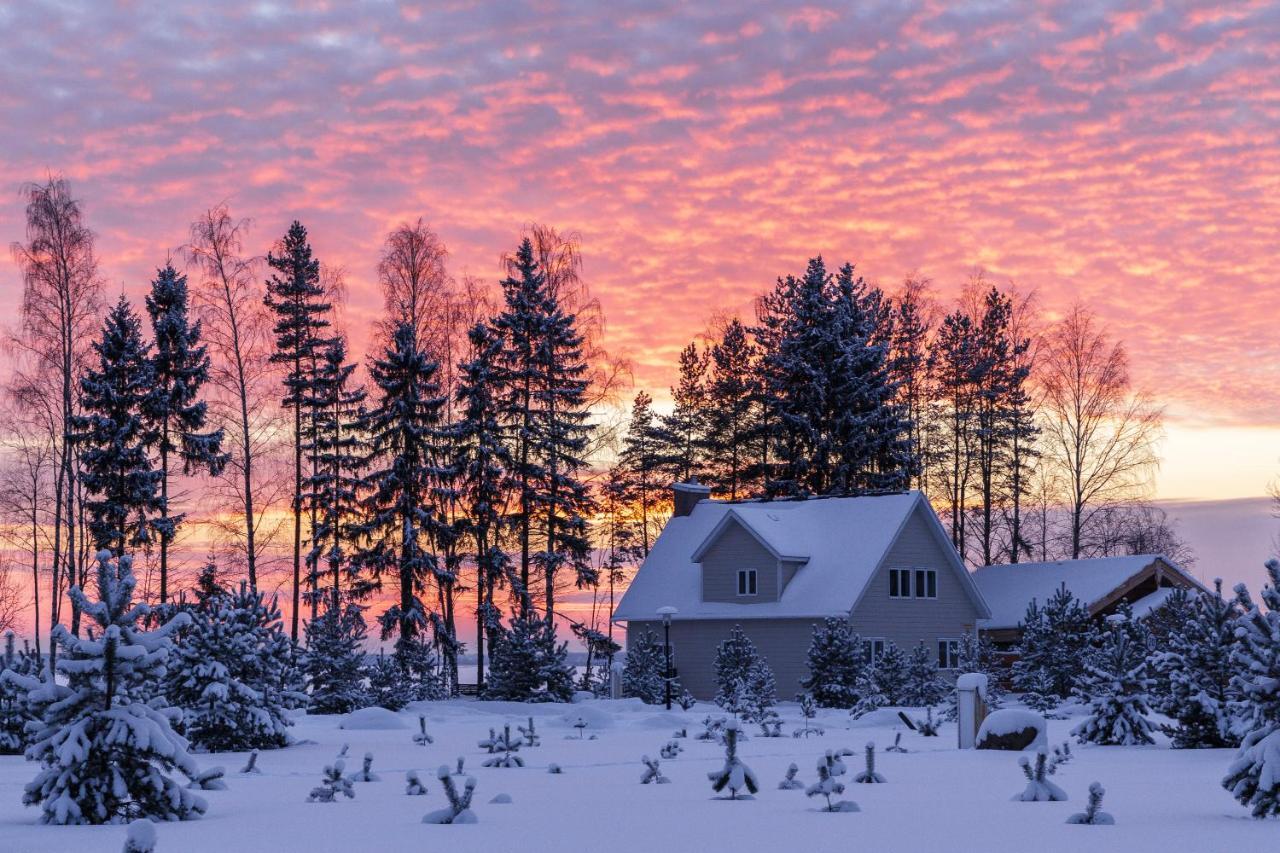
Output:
x=899 y=583
x=746 y=581
x=925 y=583
x=873 y=648
x=948 y=654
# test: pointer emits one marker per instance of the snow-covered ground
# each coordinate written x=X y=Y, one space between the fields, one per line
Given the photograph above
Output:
x=937 y=798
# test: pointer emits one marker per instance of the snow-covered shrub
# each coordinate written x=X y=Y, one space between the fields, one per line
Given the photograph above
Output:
x=251 y=766
x=554 y=769
x=790 y=782
x=644 y=673
x=743 y=678
x=686 y=700
x=528 y=665
x=770 y=723
x=422 y=738
x=928 y=727
x=828 y=786
x=104 y=751
x=712 y=728
x=413 y=786
x=835 y=658
x=334 y=663
x=671 y=750
x=530 y=734
x=1055 y=646
x=869 y=776
x=232 y=674
x=734 y=775
x=459 y=809
x=1254 y=776
x=140 y=837
x=1039 y=688
x=921 y=683
x=365 y=773
x=503 y=747
x=1039 y=788
x=14 y=711
x=1115 y=684
x=1093 y=814
x=332 y=784
x=388 y=686
x=212 y=779
x=1198 y=670
x=652 y=772
x=896 y=746
x=888 y=677
x=808 y=713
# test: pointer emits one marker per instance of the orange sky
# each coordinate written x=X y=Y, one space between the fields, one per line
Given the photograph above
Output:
x=1126 y=153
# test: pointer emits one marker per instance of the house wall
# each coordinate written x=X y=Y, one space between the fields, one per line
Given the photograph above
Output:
x=782 y=642
x=737 y=549
x=909 y=621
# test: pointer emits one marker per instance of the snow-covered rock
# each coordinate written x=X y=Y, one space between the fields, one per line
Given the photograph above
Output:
x=1012 y=729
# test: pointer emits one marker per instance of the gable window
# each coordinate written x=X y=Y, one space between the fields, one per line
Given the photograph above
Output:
x=948 y=654
x=872 y=648
x=913 y=583
x=926 y=583
x=899 y=583
x=746 y=581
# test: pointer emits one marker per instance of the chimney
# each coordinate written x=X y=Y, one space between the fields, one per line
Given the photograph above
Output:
x=685 y=496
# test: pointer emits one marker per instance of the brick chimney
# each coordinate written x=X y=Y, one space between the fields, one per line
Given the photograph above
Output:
x=685 y=496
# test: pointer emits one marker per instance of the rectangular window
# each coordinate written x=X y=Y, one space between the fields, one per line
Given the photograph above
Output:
x=746 y=582
x=872 y=649
x=899 y=583
x=926 y=583
x=948 y=654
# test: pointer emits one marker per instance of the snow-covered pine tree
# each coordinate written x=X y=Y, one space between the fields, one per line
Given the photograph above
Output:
x=388 y=687
x=503 y=748
x=734 y=775
x=529 y=665
x=921 y=685
x=790 y=782
x=459 y=808
x=827 y=786
x=140 y=837
x=1039 y=788
x=404 y=433
x=14 y=710
x=334 y=661
x=642 y=674
x=231 y=674
x=413 y=785
x=889 y=672
x=732 y=416
x=743 y=677
x=682 y=434
x=1254 y=775
x=640 y=470
x=177 y=416
x=104 y=750
x=1057 y=640
x=869 y=776
x=1199 y=671
x=835 y=657
x=808 y=713
x=1093 y=815
x=1115 y=685
x=113 y=434
x=332 y=783
x=297 y=298
x=978 y=655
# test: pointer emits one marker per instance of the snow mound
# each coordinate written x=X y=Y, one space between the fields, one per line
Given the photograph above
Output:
x=882 y=717
x=372 y=719
x=580 y=696
x=595 y=718
x=501 y=799
x=662 y=721
x=1009 y=722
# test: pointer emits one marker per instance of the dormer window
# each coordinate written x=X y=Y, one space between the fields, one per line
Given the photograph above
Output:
x=746 y=581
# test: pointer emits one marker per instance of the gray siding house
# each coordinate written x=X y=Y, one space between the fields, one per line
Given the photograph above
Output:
x=778 y=568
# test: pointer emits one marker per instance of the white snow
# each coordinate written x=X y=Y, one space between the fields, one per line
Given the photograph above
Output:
x=372 y=719
x=1009 y=720
x=939 y=798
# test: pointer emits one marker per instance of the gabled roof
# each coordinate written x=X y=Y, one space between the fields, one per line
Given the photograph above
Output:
x=840 y=541
x=1008 y=589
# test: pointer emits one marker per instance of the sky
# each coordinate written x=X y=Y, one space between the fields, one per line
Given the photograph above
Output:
x=1125 y=154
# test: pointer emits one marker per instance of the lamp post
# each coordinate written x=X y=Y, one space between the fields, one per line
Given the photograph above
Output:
x=666 y=613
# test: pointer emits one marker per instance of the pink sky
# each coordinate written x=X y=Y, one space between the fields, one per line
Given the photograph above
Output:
x=1126 y=153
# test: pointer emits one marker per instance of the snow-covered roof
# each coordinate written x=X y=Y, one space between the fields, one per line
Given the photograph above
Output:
x=1147 y=603
x=1008 y=589
x=841 y=542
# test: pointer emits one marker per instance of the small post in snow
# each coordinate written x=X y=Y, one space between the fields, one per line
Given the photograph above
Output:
x=971 y=706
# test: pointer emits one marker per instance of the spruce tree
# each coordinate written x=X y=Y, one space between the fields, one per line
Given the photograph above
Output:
x=388 y=687
x=1115 y=684
x=908 y=371
x=17 y=668
x=1056 y=641
x=178 y=417
x=104 y=743
x=297 y=297
x=644 y=673
x=528 y=664
x=922 y=685
x=640 y=462
x=835 y=659
x=743 y=678
x=334 y=661
x=113 y=435
x=889 y=674
x=731 y=419
x=1253 y=777
x=1198 y=667
x=684 y=432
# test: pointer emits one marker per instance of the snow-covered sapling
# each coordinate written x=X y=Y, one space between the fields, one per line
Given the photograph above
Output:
x=1039 y=789
x=1062 y=754
x=333 y=784
x=209 y=780
x=680 y=733
x=671 y=750
x=365 y=773
x=505 y=748
x=413 y=785
x=489 y=744
x=581 y=725
x=459 y=770
x=140 y=837
x=554 y=769
x=1115 y=684
x=530 y=734
x=459 y=809
x=422 y=738
x=652 y=773
x=869 y=776
x=712 y=728
x=827 y=786
x=790 y=782
x=685 y=700
x=808 y=713
x=1093 y=813
x=251 y=766
x=896 y=746
x=342 y=753
x=928 y=727
x=734 y=775
x=770 y=723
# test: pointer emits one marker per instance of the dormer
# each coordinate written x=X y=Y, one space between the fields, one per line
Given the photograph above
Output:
x=748 y=560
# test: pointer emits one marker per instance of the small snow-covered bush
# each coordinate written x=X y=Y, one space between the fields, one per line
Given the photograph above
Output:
x=422 y=738
x=869 y=776
x=140 y=837
x=332 y=784
x=671 y=750
x=530 y=734
x=504 y=748
x=1093 y=814
x=1039 y=788
x=459 y=809
x=365 y=773
x=652 y=772
x=828 y=786
x=1115 y=683
x=212 y=779
x=790 y=782
x=413 y=785
x=734 y=775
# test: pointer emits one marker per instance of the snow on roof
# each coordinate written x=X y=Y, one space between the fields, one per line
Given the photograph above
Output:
x=1147 y=603
x=1008 y=589
x=843 y=539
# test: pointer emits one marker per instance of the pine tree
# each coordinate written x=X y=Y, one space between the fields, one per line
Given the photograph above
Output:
x=334 y=663
x=403 y=431
x=743 y=678
x=909 y=373
x=231 y=674
x=1115 y=684
x=17 y=668
x=734 y=775
x=640 y=462
x=1056 y=641
x=388 y=687
x=113 y=435
x=177 y=416
x=835 y=659
x=889 y=673
x=528 y=665
x=104 y=744
x=1254 y=775
x=297 y=297
x=643 y=675
x=922 y=685
x=1198 y=668
x=683 y=433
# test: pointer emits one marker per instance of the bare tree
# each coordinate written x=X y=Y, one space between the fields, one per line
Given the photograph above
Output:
x=11 y=597
x=1097 y=431
x=60 y=306
x=415 y=282
x=26 y=481
x=1137 y=528
x=237 y=330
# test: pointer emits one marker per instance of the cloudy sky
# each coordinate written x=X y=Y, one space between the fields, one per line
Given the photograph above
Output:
x=1124 y=153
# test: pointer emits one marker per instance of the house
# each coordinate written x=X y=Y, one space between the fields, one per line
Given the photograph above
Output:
x=1100 y=584
x=778 y=568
